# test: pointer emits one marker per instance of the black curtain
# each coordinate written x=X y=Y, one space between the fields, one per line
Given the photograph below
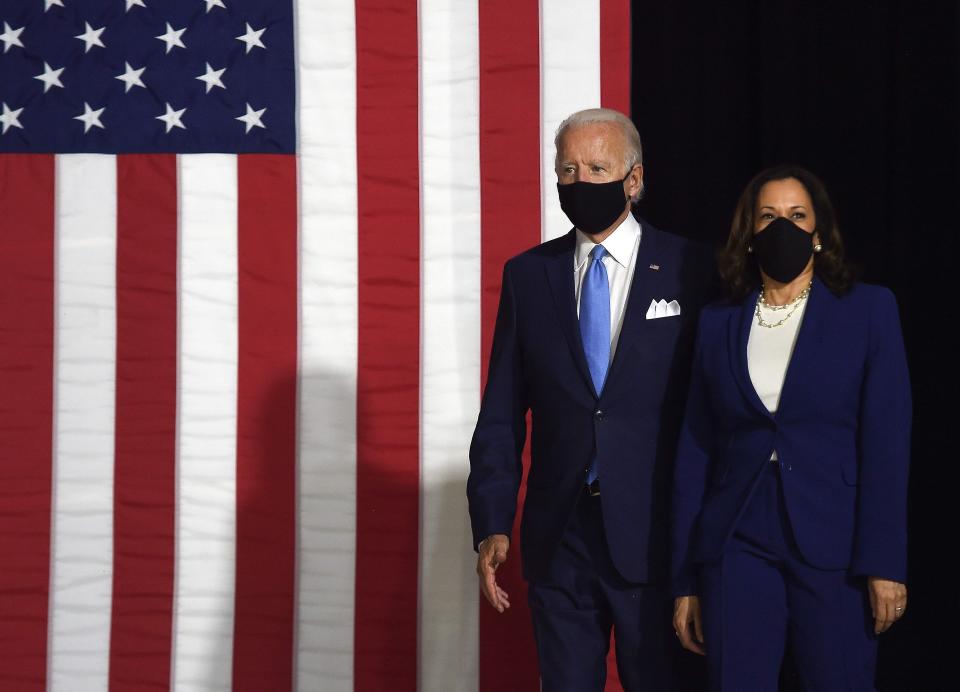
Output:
x=865 y=94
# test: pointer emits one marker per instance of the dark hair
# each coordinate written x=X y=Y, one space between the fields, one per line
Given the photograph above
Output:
x=738 y=267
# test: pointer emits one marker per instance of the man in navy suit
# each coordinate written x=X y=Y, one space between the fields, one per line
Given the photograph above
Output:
x=593 y=337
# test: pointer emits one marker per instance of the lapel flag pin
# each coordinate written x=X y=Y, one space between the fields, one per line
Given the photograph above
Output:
x=655 y=267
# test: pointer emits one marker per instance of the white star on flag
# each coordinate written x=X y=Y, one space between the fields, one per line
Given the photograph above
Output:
x=91 y=37
x=47 y=4
x=172 y=118
x=252 y=118
x=212 y=78
x=10 y=37
x=172 y=37
x=252 y=38
x=90 y=118
x=131 y=77
x=9 y=118
x=132 y=3
x=214 y=3
x=50 y=77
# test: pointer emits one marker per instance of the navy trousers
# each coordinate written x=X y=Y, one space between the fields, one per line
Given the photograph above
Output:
x=581 y=598
x=761 y=596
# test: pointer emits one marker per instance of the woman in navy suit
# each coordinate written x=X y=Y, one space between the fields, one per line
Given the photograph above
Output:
x=789 y=502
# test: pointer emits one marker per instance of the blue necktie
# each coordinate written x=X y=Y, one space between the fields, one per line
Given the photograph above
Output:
x=595 y=326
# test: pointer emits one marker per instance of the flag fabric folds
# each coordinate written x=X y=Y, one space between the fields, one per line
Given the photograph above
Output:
x=250 y=255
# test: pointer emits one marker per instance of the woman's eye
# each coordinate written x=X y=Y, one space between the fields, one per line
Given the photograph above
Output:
x=766 y=216
x=799 y=215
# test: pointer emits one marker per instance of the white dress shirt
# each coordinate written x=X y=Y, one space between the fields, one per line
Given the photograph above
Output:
x=620 y=262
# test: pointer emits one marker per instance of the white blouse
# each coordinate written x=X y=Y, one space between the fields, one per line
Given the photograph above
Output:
x=769 y=350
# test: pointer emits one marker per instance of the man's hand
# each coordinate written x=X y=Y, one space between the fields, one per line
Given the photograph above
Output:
x=687 y=624
x=888 y=600
x=493 y=553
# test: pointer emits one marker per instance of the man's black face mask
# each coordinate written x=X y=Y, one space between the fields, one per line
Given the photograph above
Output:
x=593 y=207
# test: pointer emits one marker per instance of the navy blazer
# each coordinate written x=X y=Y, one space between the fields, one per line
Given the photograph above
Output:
x=538 y=364
x=841 y=433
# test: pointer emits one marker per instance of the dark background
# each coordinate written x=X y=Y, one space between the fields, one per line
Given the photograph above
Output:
x=865 y=94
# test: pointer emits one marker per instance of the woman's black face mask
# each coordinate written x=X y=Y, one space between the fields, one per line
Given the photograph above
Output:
x=783 y=249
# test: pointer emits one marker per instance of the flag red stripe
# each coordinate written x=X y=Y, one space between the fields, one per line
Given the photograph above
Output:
x=388 y=377
x=510 y=223
x=615 y=58
x=615 y=61
x=266 y=423
x=146 y=411
x=26 y=415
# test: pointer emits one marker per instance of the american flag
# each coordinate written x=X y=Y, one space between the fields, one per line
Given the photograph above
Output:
x=250 y=254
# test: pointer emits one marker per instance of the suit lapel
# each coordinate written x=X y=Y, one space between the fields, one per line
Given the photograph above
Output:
x=560 y=276
x=804 y=357
x=638 y=300
x=740 y=324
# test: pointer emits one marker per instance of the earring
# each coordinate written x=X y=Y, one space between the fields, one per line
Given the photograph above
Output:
x=749 y=248
x=818 y=248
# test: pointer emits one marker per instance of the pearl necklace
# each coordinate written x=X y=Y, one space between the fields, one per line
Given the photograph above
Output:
x=791 y=306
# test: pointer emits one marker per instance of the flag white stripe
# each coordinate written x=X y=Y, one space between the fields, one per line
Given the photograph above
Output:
x=84 y=394
x=570 y=81
x=206 y=424
x=450 y=360
x=327 y=488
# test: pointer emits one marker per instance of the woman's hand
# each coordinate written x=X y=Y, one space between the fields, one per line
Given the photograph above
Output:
x=687 y=625
x=888 y=600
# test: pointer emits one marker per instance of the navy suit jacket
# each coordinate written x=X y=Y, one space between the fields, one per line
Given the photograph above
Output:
x=841 y=433
x=538 y=364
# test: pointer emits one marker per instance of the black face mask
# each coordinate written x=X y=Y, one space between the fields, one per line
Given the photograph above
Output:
x=783 y=249
x=592 y=207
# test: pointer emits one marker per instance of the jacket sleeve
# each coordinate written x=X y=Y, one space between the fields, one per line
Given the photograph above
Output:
x=880 y=539
x=691 y=472
x=496 y=465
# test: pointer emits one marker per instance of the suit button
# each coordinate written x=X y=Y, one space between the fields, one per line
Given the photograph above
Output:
x=598 y=414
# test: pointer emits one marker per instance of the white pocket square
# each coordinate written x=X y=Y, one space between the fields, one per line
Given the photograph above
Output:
x=661 y=308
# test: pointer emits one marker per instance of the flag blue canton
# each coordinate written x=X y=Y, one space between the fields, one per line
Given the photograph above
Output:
x=144 y=76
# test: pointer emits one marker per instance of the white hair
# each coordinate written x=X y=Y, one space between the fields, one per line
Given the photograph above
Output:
x=633 y=151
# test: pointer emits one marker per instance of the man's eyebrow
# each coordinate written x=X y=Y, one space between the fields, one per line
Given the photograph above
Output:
x=593 y=162
x=598 y=162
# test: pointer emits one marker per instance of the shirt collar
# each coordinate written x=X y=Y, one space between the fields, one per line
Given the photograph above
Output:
x=618 y=244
